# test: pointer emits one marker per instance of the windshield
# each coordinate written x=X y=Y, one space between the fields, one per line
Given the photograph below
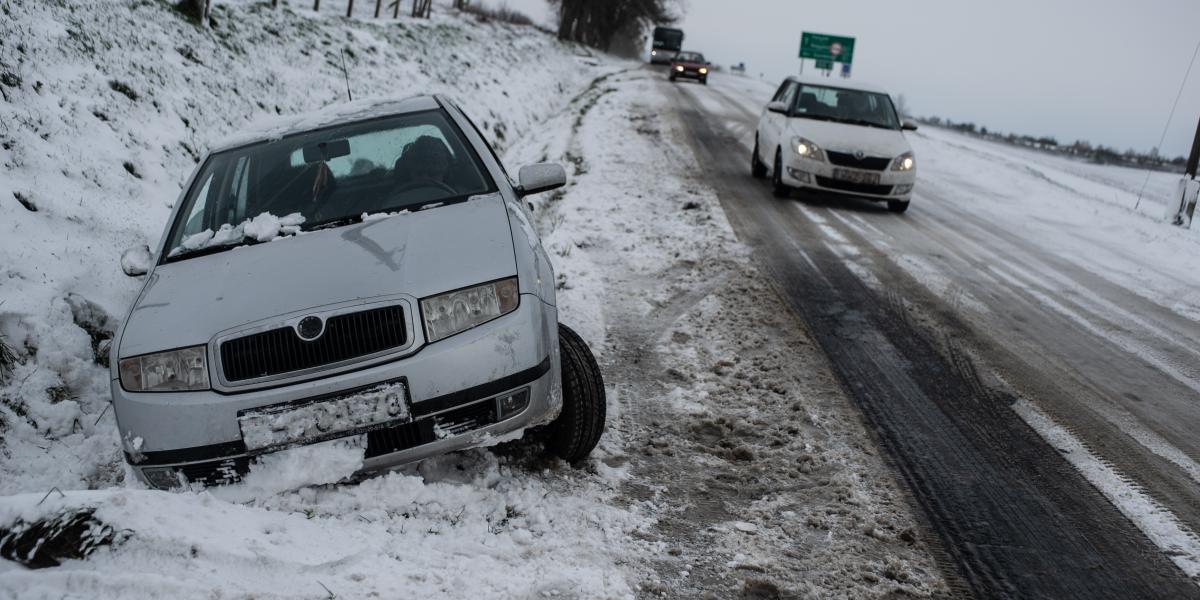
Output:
x=668 y=39
x=325 y=178
x=848 y=106
x=695 y=57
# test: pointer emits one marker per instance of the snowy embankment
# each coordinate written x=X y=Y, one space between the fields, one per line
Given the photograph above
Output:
x=1087 y=214
x=106 y=107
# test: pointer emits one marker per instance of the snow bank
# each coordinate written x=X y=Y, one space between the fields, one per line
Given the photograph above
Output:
x=109 y=105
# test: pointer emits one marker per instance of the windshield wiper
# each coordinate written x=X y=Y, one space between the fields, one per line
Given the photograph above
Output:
x=206 y=250
x=332 y=223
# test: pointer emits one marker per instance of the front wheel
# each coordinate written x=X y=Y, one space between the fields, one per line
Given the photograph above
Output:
x=778 y=187
x=703 y=81
x=757 y=169
x=897 y=206
x=577 y=429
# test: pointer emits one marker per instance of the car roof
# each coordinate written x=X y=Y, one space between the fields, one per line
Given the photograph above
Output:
x=276 y=127
x=839 y=83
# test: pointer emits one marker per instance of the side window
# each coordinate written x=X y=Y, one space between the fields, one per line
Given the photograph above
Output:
x=195 y=220
x=779 y=92
x=789 y=94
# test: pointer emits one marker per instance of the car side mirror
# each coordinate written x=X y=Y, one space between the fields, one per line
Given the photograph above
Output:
x=135 y=261
x=542 y=177
x=908 y=125
x=777 y=107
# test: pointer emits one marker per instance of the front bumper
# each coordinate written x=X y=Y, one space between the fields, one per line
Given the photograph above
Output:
x=689 y=74
x=449 y=385
x=819 y=175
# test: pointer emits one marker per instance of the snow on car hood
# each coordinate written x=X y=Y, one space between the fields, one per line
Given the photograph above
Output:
x=843 y=137
x=420 y=253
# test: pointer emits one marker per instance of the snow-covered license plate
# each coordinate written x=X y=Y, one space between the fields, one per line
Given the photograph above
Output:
x=287 y=424
x=856 y=176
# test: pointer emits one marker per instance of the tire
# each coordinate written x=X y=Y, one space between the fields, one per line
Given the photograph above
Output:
x=778 y=187
x=704 y=81
x=757 y=169
x=897 y=206
x=577 y=429
x=671 y=77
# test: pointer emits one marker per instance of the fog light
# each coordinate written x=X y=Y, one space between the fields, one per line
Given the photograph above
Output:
x=512 y=404
x=799 y=175
x=902 y=189
x=162 y=479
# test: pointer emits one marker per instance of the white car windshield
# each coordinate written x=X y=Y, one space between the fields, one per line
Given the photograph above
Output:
x=325 y=178
x=857 y=107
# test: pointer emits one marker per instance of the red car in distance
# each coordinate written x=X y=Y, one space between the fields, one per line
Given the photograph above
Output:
x=691 y=65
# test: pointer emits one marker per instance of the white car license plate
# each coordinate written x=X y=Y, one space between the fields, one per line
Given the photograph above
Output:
x=284 y=425
x=856 y=176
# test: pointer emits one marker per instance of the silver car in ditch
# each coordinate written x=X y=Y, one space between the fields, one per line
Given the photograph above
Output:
x=369 y=270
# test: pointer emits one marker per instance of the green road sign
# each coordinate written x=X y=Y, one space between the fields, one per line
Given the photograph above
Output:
x=826 y=65
x=828 y=48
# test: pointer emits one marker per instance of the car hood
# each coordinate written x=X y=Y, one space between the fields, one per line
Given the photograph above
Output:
x=422 y=253
x=843 y=137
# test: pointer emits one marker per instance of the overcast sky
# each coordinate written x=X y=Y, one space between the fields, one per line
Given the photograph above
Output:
x=1102 y=70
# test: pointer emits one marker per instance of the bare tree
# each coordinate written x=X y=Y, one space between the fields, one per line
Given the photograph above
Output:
x=599 y=24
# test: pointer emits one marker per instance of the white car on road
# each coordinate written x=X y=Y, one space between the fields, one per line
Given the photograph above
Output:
x=836 y=137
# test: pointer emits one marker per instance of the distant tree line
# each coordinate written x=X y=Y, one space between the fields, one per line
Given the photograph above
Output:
x=610 y=25
x=1082 y=149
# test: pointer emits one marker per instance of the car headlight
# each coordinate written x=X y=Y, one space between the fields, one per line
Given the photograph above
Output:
x=679 y=67
x=905 y=162
x=183 y=370
x=806 y=148
x=703 y=71
x=454 y=312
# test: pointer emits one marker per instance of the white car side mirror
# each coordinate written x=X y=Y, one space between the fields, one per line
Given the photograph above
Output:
x=908 y=125
x=541 y=177
x=135 y=261
x=777 y=107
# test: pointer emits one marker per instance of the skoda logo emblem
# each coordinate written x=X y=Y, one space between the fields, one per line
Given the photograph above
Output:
x=310 y=328
x=859 y=154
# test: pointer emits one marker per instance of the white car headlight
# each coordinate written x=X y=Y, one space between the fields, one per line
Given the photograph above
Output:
x=454 y=312
x=904 y=162
x=806 y=148
x=679 y=68
x=183 y=370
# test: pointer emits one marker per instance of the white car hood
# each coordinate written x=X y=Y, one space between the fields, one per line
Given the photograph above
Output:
x=843 y=137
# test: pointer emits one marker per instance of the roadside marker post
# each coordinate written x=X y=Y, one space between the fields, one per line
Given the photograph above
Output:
x=1183 y=208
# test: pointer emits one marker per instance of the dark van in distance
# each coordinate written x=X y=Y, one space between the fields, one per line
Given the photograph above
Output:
x=667 y=43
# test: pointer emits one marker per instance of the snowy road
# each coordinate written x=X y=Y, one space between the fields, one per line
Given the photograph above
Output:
x=1018 y=343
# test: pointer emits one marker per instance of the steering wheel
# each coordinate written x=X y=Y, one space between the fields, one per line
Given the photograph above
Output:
x=424 y=183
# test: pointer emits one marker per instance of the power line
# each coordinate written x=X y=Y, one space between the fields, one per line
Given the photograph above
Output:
x=1170 y=116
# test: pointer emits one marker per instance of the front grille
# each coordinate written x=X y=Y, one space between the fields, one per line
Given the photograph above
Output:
x=420 y=432
x=844 y=159
x=857 y=188
x=399 y=437
x=346 y=337
x=216 y=472
x=468 y=418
